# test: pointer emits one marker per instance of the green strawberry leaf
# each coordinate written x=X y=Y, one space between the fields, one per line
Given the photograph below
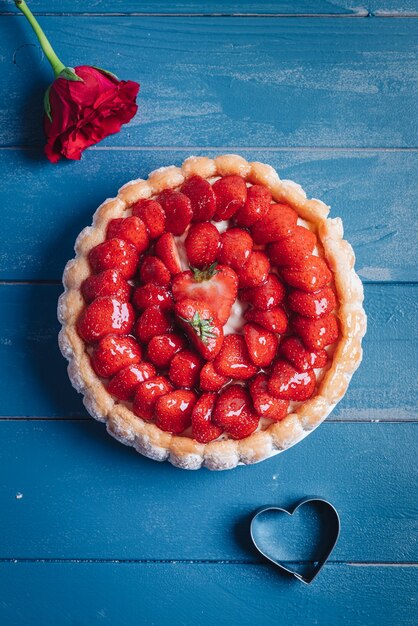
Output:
x=105 y=72
x=69 y=74
x=47 y=104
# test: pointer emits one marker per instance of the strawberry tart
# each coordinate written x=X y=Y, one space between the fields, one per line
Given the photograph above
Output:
x=212 y=316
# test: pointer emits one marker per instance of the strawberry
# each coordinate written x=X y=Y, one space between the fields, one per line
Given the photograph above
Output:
x=316 y=333
x=292 y=349
x=256 y=206
x=235 y=248
x=286 y=383
x=147 y=394
x=153 y=270
x=216 y=286
x=152 y=295
x=124 y=383
x=152 y=214
x=202 y=198
x=131 y=229
x=293 y=249
x=153 y=321
x=107 y=283
x=310 y=275
x=201 y=244
x=264 y=403
x=185 y=368
x=265 y=297
x=114 y=254
x=162 y=348
x=230 y=193
x=312 y=304
x=280 y=221
x=203 y=429
x=210 y=380
x=178 y=211
x=234 y=413
x=261 y=343
x=166 y=250
x=274 y=320
x=202 y=327
x=113 y=353
x=233 y=360
x=255 y=271
x=105 y=316
x=173 y=412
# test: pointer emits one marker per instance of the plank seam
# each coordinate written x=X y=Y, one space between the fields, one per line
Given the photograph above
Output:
x=204 y=562
x=379 y=14
x=223 y=148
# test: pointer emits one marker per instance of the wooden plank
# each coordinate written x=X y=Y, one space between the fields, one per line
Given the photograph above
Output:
x=206 y=594
x=250 y=81
x=46 y=206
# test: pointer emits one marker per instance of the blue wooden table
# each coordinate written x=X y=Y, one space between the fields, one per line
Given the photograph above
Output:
x=91 y=532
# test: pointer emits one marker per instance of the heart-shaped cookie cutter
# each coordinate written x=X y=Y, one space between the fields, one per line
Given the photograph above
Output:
x=333 y=528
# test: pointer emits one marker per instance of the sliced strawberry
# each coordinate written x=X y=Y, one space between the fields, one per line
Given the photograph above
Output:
x=201 y=244
x=152 y=295
x=178 y=211
x=287 y=383
x=201 y=325
x=264 y=403
x=107 y=283
x=312 y=304
x=279 y=222
x=233 y=412
x=261 y=343
x=153 y=270
x=152 y=214
x=185 y=369
x=316 y=333
x=235 y=248
x=162 y=348
x=255 y=271
x=147 y=394
x=274 y=320
x=293 y=249
x=173 y=412
x=256 y=206
x=230 y=193
x=114 y=254
x=202 y=198
x=310 y=275
x=113 y=353
x=292 y=349
x=203 y=429
x=233 y=360
x=265 y=297
x=153 y=321
x=167 y=251
x=210 y=380
x=125 y=382
x=131 y=229
x=105 y=316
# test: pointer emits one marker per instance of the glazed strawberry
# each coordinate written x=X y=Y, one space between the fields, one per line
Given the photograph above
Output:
x=152 y=295
x=312 y=304
x=131 y=229
x=310 y=275
x=152 y=214
x=114 y=254
x=153 y=321
x=105 y=316
x=316 y=333
x=265 y=297
x=216 y=286
x=230 y=193
x=233 y=360
x=234 y=413
x=235 y=248
x=203 y=429
x=153 y=270
x=261 y=343
x=210 y=380
x=255 y=271
x=113 y=353
x=162 y=348
x=293 y=249
x=173 y=412
x=201 y=244
x=202 y=327
x=292 y=349
x=286 y=383
x=147 y=394
x=279 y=222
x=107 y=283
x=185 y=368
x=124 y=383
x=167 y=251
x=256 y=206
x=202 y=198
x=178 y=211
x=264 y=403
x=274 y=320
